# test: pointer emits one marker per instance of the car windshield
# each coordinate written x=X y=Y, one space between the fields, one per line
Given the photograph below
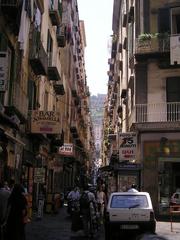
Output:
x=129 y=201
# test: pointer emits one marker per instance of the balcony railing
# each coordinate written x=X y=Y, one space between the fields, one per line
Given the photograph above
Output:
x=155 y=112
x=59 y=88
x=53 y=72
x=153 y=45
x=60 y=34
x=19 y=101
x=37 y=55
x=55 y=13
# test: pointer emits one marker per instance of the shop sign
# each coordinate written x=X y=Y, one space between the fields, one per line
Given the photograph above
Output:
x=45 y=122
x=127 y=146
x=39 y=175
x=66 y=149
x=3 y=71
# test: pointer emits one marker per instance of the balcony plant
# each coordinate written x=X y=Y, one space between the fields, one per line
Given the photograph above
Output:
x=145 y=37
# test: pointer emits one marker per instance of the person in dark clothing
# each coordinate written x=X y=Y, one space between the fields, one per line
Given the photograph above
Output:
x=17 y=207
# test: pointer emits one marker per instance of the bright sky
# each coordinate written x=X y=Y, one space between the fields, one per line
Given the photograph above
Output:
x=97 y=16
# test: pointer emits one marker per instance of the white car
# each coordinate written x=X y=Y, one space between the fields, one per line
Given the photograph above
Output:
x=129 y=211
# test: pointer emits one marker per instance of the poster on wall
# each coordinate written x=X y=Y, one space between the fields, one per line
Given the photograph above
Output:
x=127 y=146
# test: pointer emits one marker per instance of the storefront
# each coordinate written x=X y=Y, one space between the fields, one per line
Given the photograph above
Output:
x=161 y=171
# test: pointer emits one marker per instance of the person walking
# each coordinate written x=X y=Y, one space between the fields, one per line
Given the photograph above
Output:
x=17 y=217
x=4 y=196
x=133 y=188
x=73 y=199
x=101 y=202
x=87 y=210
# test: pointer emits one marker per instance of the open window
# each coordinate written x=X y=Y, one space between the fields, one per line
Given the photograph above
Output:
x=175 y=20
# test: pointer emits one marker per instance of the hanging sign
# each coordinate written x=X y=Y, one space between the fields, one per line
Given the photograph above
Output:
x=127 y=146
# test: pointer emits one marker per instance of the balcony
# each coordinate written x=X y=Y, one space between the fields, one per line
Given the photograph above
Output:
x=55 y=13
x=156 y=113
x=59 y=88
x=60 y=35
x=148 y=44
x=53 y=72
x=37 y=55
x=18 y=103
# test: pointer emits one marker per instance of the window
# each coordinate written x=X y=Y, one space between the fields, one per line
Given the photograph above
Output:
x=129 y=201
x=175 y=20
x=3 y=43
x=32 y=95
x=169 y=20
x=46 y=101
x=173 y=98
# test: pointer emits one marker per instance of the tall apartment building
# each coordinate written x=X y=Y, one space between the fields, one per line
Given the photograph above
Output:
x=144 y=75
x=46 y=137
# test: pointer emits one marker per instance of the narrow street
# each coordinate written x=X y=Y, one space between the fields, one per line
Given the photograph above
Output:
x=58 y=227
x=54 y=227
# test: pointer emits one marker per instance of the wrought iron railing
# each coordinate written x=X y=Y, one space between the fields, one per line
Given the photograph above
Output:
x=155 y=112
x=153 y=44
x=19 y=99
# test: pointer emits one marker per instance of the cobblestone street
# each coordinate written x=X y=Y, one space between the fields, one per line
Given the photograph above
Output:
x=58 y=227
x=54 y=227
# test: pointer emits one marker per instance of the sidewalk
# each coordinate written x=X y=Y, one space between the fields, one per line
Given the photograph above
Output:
x=164 y=229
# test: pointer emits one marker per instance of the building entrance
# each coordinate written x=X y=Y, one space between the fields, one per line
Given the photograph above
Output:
x=169 y=181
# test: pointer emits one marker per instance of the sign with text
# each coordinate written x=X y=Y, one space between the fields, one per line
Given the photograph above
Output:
x=127 y=146
x=39 y=175
x=66 y=149
x=45 y=122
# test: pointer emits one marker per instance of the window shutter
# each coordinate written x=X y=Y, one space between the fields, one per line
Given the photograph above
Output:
x=3 y=42
x=163 y=20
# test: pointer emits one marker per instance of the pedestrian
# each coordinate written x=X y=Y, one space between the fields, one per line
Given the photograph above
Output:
x=17 y=217
x=87 y=210
x=4 y=196
x=74 y=195
x=133 y=188
x=73 y=199
x=101 y=202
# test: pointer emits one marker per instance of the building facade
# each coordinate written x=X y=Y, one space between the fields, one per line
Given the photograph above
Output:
x=46 y=134
x=145 y=66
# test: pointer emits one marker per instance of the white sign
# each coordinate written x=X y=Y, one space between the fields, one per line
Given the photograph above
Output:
x=45 y=122
x=3 y=71
x=40 y=208
x=39 y=175
x=66 y=149
x=127 y=146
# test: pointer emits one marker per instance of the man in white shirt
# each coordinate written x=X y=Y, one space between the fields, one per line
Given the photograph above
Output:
x=74 y=195
x=133 y=188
